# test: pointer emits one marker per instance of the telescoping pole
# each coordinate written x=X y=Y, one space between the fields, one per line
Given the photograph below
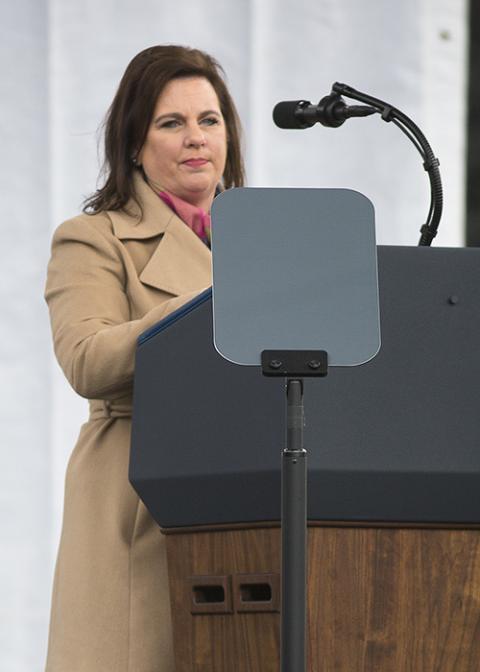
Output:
x=294 y=535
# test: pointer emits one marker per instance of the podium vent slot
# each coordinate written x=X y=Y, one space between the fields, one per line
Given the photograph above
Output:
x=256 y=592
x=209 y=594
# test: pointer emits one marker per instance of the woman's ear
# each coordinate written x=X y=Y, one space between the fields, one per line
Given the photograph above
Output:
x=137 y=158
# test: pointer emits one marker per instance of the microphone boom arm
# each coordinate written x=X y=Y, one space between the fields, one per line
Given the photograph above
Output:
x=430 y=162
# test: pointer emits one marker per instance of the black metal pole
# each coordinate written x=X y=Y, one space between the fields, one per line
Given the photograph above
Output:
x=294 y=536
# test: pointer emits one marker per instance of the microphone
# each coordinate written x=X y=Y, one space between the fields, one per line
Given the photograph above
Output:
x=331 y=111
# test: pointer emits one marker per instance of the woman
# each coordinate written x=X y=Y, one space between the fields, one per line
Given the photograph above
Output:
x=139 y=251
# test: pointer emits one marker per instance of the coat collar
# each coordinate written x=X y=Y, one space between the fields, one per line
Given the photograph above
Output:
x=135 y=224
x=181 y=262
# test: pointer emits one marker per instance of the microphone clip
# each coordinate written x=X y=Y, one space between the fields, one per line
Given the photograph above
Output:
x=332 y=111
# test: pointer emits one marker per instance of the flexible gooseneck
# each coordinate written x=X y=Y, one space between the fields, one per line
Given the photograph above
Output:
x=430 y=162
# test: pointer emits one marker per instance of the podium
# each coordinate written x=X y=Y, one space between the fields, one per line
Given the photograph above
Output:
x=394 y=485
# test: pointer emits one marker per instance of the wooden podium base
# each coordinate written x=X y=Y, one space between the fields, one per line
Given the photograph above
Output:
x=381 y=599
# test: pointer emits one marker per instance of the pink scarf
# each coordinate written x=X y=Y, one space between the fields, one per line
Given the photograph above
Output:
x=195 y=218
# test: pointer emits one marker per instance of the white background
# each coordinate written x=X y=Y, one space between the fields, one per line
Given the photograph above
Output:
x=60 y=62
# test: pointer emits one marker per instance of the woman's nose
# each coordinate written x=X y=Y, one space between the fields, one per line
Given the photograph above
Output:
x=195 y=136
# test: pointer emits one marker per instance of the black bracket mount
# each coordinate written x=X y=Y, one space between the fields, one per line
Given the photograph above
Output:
x=294 y=363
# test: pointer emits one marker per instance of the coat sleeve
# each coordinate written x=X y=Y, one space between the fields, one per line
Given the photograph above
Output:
x=93 y=336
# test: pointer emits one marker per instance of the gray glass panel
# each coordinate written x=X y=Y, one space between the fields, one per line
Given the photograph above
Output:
x=295 y=269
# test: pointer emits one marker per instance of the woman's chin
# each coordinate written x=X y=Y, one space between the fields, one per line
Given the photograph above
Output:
x=198 y=185
x=198 y=190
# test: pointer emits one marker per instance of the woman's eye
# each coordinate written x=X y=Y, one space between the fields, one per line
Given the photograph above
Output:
x=170 y=123
x=210 y=121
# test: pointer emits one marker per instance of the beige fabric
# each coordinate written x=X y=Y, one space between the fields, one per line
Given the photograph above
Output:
x=110 y=277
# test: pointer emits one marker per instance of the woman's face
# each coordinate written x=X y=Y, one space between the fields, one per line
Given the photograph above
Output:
x=186 y=145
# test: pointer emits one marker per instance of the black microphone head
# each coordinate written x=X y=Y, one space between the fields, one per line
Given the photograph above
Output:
x=286 y=114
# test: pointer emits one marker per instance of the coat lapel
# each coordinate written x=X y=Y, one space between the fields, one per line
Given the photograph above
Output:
x=181 y=262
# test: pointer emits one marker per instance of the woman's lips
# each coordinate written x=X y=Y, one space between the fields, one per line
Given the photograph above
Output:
x=196 y=163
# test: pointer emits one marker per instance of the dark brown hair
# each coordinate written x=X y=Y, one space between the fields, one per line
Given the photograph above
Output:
x=130 y=114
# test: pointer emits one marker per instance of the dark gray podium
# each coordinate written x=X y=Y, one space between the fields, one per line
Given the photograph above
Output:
x=400 y=435
x=394 y=484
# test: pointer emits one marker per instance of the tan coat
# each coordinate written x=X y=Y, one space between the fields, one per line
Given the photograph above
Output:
x=111 y=277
